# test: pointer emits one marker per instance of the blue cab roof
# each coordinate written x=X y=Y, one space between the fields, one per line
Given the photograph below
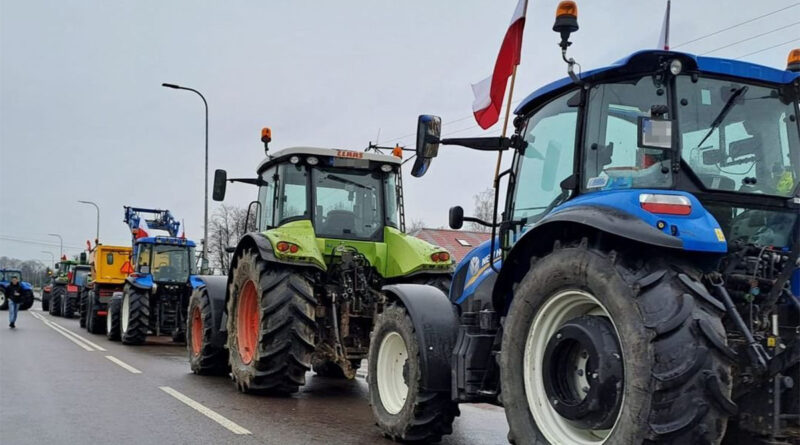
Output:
x=173 y=241
x=642 y=61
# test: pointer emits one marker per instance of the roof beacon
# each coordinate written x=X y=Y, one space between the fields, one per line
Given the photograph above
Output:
x=266 y=138
x=567 y=23
x=793 y=61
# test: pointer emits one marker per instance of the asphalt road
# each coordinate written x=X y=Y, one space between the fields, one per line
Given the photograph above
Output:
x=59 y=388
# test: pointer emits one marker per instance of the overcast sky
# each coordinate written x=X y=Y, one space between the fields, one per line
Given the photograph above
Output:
x=83 y=115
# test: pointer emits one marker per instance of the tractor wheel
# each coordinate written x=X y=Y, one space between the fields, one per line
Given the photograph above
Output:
x=134 y=316
x=56 y=296
x=3 y=300
x=271 y=326
x=45 y=301
x=27 y=300
x=113 y=325
x=600 y=348
x=68 y=306
x=95 y=323
x=205 y=357
x=404 y=411
x=82 y=311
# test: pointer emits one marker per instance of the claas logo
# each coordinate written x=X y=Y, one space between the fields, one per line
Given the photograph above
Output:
x=349 y=154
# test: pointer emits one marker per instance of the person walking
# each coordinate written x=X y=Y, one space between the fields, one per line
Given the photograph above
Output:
x=14 y=295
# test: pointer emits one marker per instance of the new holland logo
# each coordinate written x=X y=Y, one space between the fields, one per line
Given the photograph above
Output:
x=474 y=266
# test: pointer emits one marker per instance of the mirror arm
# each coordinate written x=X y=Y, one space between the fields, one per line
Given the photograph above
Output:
x=253 y=181
x=479 y=221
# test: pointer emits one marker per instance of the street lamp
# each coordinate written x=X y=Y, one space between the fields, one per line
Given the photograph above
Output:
x=97 y=232
x=61 y=240
x=204 y=266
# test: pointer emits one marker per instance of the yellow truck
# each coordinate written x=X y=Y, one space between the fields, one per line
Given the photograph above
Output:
x=110 y=267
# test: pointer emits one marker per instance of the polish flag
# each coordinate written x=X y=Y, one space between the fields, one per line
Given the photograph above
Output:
x=489 y=92
x=663 y=40
x=141 y=232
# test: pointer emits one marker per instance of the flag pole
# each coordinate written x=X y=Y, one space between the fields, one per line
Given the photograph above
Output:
x=505 y=123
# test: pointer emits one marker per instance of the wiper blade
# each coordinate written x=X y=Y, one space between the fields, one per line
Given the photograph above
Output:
x=723 y=113
x=347 y=181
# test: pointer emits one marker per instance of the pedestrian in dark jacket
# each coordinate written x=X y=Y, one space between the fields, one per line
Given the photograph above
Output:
x=14 y=295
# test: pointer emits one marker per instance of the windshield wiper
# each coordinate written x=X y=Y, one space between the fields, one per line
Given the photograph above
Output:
x=723 y=113
x=347 y=181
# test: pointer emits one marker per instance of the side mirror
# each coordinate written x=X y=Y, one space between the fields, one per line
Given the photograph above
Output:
x=429 y=128
x=456 y=217
x=220 y=182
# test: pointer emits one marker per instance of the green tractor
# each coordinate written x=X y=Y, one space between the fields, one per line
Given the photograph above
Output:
x=303 y=290
x=58 y=288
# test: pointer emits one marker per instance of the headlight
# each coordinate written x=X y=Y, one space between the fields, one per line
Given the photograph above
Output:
x=675 y=67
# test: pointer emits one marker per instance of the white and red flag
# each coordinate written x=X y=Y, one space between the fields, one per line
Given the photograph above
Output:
x=489 y=92
x=141 y=231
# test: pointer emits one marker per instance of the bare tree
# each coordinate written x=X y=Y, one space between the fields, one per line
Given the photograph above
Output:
x=33 y=271
x=484 y=209
x=227 y=225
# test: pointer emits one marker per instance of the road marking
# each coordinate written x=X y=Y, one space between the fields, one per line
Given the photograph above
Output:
x=90 y=343
x=213 y=415
x=51 y=326
x=123 y=364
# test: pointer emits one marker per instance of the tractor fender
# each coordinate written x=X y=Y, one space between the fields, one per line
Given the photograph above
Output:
x=144 y=283
x=584 y=219
x=436 y=325
x=261 y=243
x=216 y=287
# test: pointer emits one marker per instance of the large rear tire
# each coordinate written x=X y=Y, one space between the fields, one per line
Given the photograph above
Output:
x=134 y=316
x=599 y=348
x=82 y=308
x=3 y=300
x=95 y=324
x=206 y=357
x=68 y=305
x=45 y=301
x=58 y=293
x=113 y=325
x=27 y=300
x=271 y=326
x=402 y=410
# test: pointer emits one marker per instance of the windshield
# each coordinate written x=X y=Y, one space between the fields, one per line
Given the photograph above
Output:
x=9 y=274
x=80 y=276
x=347 y=203
x=739 y=137
x=171 y=263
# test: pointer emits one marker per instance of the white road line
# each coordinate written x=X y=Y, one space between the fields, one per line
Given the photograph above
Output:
x=123 y=364
x=213 y=415
x=90 y=343
x=51 y=326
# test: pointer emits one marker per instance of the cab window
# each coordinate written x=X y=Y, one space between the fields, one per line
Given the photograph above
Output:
x=143 y=258
x=547 y=160
x=266 y=199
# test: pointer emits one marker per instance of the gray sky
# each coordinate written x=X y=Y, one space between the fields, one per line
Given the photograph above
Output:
x=83 y=115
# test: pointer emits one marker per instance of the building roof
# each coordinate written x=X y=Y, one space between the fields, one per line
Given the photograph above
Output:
x=458 y=242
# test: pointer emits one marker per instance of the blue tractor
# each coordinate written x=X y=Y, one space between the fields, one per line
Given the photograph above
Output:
x=162 y=275
x=27 y=289
x=642 y=283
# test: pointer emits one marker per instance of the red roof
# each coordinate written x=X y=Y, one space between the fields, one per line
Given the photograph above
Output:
x=457 y=242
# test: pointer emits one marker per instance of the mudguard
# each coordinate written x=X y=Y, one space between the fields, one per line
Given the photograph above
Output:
x=264 y=247
x=619 y=213
x=144 y=282
x=436 y=325
x=216 y=287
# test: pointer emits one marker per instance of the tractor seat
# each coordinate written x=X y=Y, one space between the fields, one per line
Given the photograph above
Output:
x=339 y=222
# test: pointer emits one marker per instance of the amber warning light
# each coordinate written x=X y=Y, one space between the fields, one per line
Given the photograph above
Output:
x=793 y=61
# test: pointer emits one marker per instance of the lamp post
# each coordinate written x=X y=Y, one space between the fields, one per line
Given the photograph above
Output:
x=61 y=241
x=96 y=207
x=204 y=265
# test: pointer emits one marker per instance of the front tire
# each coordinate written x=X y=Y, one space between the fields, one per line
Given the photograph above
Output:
x=113 y=324
x=401 y=409
x=3 y=300
x=82 y=309
x=134 y=316
x=68 y=306
x=56 y=297
x=205 y=356
x=663 y=325
x=271 y=326
x=95 y=323
x=45 y=301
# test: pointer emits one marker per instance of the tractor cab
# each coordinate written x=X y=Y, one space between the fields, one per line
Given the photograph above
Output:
x=165 y=260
